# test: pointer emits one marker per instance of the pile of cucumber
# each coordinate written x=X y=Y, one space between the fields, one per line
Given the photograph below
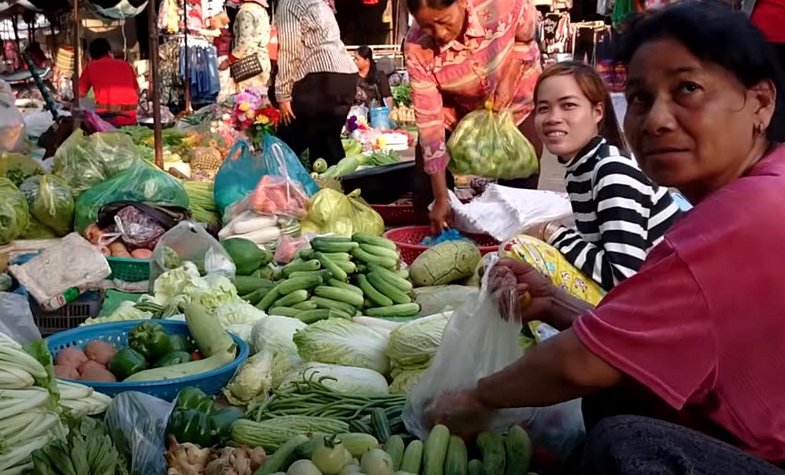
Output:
x=340 y=277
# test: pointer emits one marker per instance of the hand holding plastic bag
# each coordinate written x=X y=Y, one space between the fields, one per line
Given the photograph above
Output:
x=490 y=145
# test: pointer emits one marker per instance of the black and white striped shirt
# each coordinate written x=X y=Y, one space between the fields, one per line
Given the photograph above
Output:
x=310 y=42
x=619 y=214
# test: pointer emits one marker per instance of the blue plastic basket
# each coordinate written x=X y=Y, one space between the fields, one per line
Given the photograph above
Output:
x=116 y=334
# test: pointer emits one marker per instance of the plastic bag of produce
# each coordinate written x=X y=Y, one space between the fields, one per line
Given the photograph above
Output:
x=14 y=212
x=476 y=343
x=75 y=163
x=141 y=183
x=116 y=151
x=51 y=202
x=37 y=230
x=490 y=145
x=242 y=170
x=330 y=211
x=190 y=242
x=137 y=424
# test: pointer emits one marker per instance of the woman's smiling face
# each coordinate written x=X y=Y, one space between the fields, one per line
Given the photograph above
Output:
x=690 y=122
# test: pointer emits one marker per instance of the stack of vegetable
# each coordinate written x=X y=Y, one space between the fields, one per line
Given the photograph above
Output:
x=196 y=419
x=340 y=277
x=263 y=230
x=79 y=400
x=201 y=202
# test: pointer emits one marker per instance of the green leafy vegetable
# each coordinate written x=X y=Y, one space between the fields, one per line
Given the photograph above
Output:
x=415 y=343
x=344 y=379
x=51 y=202
x=343 y=342
x=402 y=95
x=14 y=212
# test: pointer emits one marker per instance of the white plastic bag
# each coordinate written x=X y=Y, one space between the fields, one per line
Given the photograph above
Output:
x=476 y=343
x=192 y=243
x=16 y=319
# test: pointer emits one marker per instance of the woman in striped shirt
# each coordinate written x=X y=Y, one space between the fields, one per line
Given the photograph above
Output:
x=619 y=213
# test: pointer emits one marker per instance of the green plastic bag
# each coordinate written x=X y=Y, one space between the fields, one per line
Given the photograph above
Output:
x=37 y=230
x=141 y=183
x=490 y=145
x=14 y=212
x=51 y=202
x=330 y=211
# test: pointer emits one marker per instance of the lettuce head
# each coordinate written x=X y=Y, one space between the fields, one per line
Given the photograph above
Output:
x=343 y=342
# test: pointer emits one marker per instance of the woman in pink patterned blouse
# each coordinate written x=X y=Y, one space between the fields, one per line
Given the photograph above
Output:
x=459 y=54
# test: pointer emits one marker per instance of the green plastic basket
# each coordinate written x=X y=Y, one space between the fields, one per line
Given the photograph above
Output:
x=128 y=269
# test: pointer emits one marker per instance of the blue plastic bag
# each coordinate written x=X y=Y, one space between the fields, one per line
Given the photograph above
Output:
x=243 y=169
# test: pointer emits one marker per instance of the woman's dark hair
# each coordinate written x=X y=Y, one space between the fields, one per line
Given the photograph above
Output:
x=712 y=32
x=415 y=5
x=365 y=52
x=99 y=48
x=593 y=87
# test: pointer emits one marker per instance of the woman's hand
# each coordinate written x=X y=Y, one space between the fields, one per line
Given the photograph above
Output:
x=461 y=411
x=441 y=216
x=505 y=86
x=224 y=65
x=524 y=293
x=287 y=115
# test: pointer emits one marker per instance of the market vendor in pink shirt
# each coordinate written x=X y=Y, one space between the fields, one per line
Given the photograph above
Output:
x=460 y=54
x=681 y=367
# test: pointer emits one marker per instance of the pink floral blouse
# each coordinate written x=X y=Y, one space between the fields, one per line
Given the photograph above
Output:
x=451 y=81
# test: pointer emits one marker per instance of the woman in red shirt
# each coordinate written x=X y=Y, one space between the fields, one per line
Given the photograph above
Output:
x=114 y=85
x=696 y=337
x=769 y=17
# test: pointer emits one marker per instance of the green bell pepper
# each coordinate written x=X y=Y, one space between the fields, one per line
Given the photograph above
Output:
x=127 y=362
x=191 y=425
x=149 y=339
x=194 y=398
x=173 y=358
x=180 y=343
x=221 y=421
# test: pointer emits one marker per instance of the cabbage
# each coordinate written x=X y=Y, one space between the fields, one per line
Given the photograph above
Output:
x=125 y=311
x=347 y=379
x=242 y=330
x=51 y=202
x=343 y=342
x=274 y=333
x=238 y=311
x=173 y=285
x=219 y=290
x=14 y=212
x=442 y=298
x=406 y=380
x=253 y=380
x=416 y=342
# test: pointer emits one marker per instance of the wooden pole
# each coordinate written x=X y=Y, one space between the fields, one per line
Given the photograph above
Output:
x=77 y=53
x=186 y=76
x=154 y=83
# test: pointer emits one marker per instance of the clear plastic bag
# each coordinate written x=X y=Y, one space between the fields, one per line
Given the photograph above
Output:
x=476 y=343
x=137 y=424
x=14 y=212
x=330 y=211
x=490 y=145
x=16 y=319
x=141 y=183
x=191 y=242
x=242 y=170
x=51 y=202
x=276 y=195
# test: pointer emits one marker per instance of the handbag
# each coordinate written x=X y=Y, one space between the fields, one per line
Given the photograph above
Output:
x=246 y=68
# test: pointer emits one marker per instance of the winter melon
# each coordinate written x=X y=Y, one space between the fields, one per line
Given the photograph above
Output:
x=445 y=263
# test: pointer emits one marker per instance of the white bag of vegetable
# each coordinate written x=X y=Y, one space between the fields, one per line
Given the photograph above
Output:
x=490 y=145
x=476 y=343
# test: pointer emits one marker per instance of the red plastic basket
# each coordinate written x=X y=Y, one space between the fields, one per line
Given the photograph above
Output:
x=408 y=240
x=397 y=215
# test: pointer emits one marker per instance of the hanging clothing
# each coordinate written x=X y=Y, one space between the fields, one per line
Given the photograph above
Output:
x=201 y=73
x=251 y=36
x=171 y=82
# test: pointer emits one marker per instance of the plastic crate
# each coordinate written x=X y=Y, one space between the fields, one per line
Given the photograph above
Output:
x=129 y=269
x=116 y=334
x=71 y=315
x=408 y=240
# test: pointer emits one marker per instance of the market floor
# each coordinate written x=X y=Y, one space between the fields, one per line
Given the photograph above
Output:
x=551 y=173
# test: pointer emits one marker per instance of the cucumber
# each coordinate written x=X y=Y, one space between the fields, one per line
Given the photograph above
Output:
x=401 y=310
x=380 y=251
x=307 y=305
x=380 y=424
x=340 y=295
x=292 y=298
x=338 y=256
x=347 y=266
x=285 y=312
x=358 y=443
x=282 y=458
x=312 y=316
x=377 y=298
x=358 y=425
x=363 y=238
x=257 y=295
x=246 y=285
x=435 y=450
x=331 y=304
x=403 y=273
x=295 y=266
x=395 y=447
x=491 y=447
x=270 y=297
x=368 y=258
x=319 y=244
x=328 y=264
x=518 y=447
x=333 y=238
x=388 y=289
x=299 y=283
x=457 y=460
x=475 y=467
x=412 y=457
x=305 y=450
x=392 y=277
x=305 y=253
x=343 y=285
x=323 y=273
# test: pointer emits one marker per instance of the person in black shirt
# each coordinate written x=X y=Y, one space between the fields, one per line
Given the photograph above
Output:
x=373 y=84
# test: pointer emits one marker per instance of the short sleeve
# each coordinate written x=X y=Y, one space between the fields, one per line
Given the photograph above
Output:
x=653 y=322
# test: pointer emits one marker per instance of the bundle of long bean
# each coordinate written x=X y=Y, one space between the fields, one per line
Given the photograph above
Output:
x=309 y=397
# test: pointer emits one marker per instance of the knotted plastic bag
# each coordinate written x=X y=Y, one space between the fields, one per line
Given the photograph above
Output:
x=489 y=144
x=330 y=211
x=476 y=343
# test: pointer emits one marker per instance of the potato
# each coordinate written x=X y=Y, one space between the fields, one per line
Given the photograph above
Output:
x=98 y=373
x=66 y=372
x=142 y=254
x=100 y=351
x=71 y=357
x=90 y=364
